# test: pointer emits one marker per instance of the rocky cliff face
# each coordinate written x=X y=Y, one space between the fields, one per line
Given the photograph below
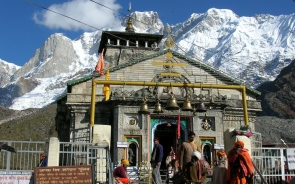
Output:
x=58 y=60
x=54 y=57
x=6 y=71
x=278 y=97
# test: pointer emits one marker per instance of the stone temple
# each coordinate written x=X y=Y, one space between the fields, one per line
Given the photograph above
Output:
x=133 y=115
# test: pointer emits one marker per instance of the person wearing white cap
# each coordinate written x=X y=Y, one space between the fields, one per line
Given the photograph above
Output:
x=195 y=172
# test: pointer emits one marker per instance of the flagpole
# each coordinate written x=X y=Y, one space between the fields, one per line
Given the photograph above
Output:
x=178 y=125
x=178 y=134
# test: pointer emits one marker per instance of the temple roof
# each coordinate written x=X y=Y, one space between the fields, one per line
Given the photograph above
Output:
x=206 y=67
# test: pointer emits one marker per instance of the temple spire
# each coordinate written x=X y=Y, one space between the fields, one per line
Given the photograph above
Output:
x=129 y=27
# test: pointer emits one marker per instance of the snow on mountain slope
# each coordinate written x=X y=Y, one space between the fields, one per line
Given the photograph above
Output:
x=236 y=44
x=6 y=71
x=254 y=49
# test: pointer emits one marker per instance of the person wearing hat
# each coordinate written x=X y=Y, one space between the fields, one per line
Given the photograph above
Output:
x=120 y=173
x=195 y=171
x=157 y=156
x=240 y=167
x=219 y=171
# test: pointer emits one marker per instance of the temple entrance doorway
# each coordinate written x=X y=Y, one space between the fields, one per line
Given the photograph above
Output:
x=167 y=134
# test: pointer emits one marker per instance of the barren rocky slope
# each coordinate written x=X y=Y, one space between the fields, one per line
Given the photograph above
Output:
x=278 y=97
x=277 y=120
x=30 y=124
x=274 y=129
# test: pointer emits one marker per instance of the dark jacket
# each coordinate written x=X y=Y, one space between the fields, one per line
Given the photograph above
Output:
x=43 y=162
x=159 y=153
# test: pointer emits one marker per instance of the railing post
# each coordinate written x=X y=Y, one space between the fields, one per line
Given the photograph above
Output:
x=53 y=152
x=8 y=159
x=282 y=164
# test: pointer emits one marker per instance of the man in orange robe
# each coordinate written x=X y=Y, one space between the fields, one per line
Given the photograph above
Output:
x=240 y=167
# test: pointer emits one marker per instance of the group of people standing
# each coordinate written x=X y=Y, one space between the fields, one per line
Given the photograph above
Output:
x=189 y=168
x=234 y=168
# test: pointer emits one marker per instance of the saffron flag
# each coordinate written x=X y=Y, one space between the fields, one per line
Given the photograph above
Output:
x=129 y=8
x=178 y=125
x=100 y=64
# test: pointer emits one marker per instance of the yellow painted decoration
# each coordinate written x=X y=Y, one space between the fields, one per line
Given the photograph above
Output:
x=106 y=87
x=171 y=74
x=168 y=64
x=169 y=56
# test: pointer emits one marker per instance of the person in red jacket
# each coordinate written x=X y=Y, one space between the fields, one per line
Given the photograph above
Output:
x=240 y=167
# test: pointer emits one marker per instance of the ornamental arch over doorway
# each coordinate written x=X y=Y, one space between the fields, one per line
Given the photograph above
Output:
x=207 y=149
x=166 y=130
x=134 y=150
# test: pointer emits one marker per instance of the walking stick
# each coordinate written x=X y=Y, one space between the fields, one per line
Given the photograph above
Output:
x=259 y=173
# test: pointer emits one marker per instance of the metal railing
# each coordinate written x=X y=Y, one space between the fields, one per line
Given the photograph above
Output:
x=80 y=153
x=139 y=174
x=272 y=165
x=270 y=162
x=25 y=159
x=28 y=156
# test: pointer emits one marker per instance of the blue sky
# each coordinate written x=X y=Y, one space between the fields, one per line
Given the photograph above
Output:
x=25 y=27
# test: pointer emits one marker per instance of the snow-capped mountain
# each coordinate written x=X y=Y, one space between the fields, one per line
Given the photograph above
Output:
x=253 y=49
x=6 y=70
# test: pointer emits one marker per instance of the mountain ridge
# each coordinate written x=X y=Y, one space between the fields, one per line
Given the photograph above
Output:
x=236 y=45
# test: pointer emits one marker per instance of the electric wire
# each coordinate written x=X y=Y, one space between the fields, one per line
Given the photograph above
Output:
x=76 y=20
x=119 y=12
x=188 y=54
x=62 y=14
x=42 y=7
x=185 y=53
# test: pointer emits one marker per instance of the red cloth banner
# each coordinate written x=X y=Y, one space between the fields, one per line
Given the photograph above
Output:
x=178 y=125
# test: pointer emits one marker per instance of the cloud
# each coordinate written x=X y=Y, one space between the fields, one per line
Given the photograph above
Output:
x=84 y=11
